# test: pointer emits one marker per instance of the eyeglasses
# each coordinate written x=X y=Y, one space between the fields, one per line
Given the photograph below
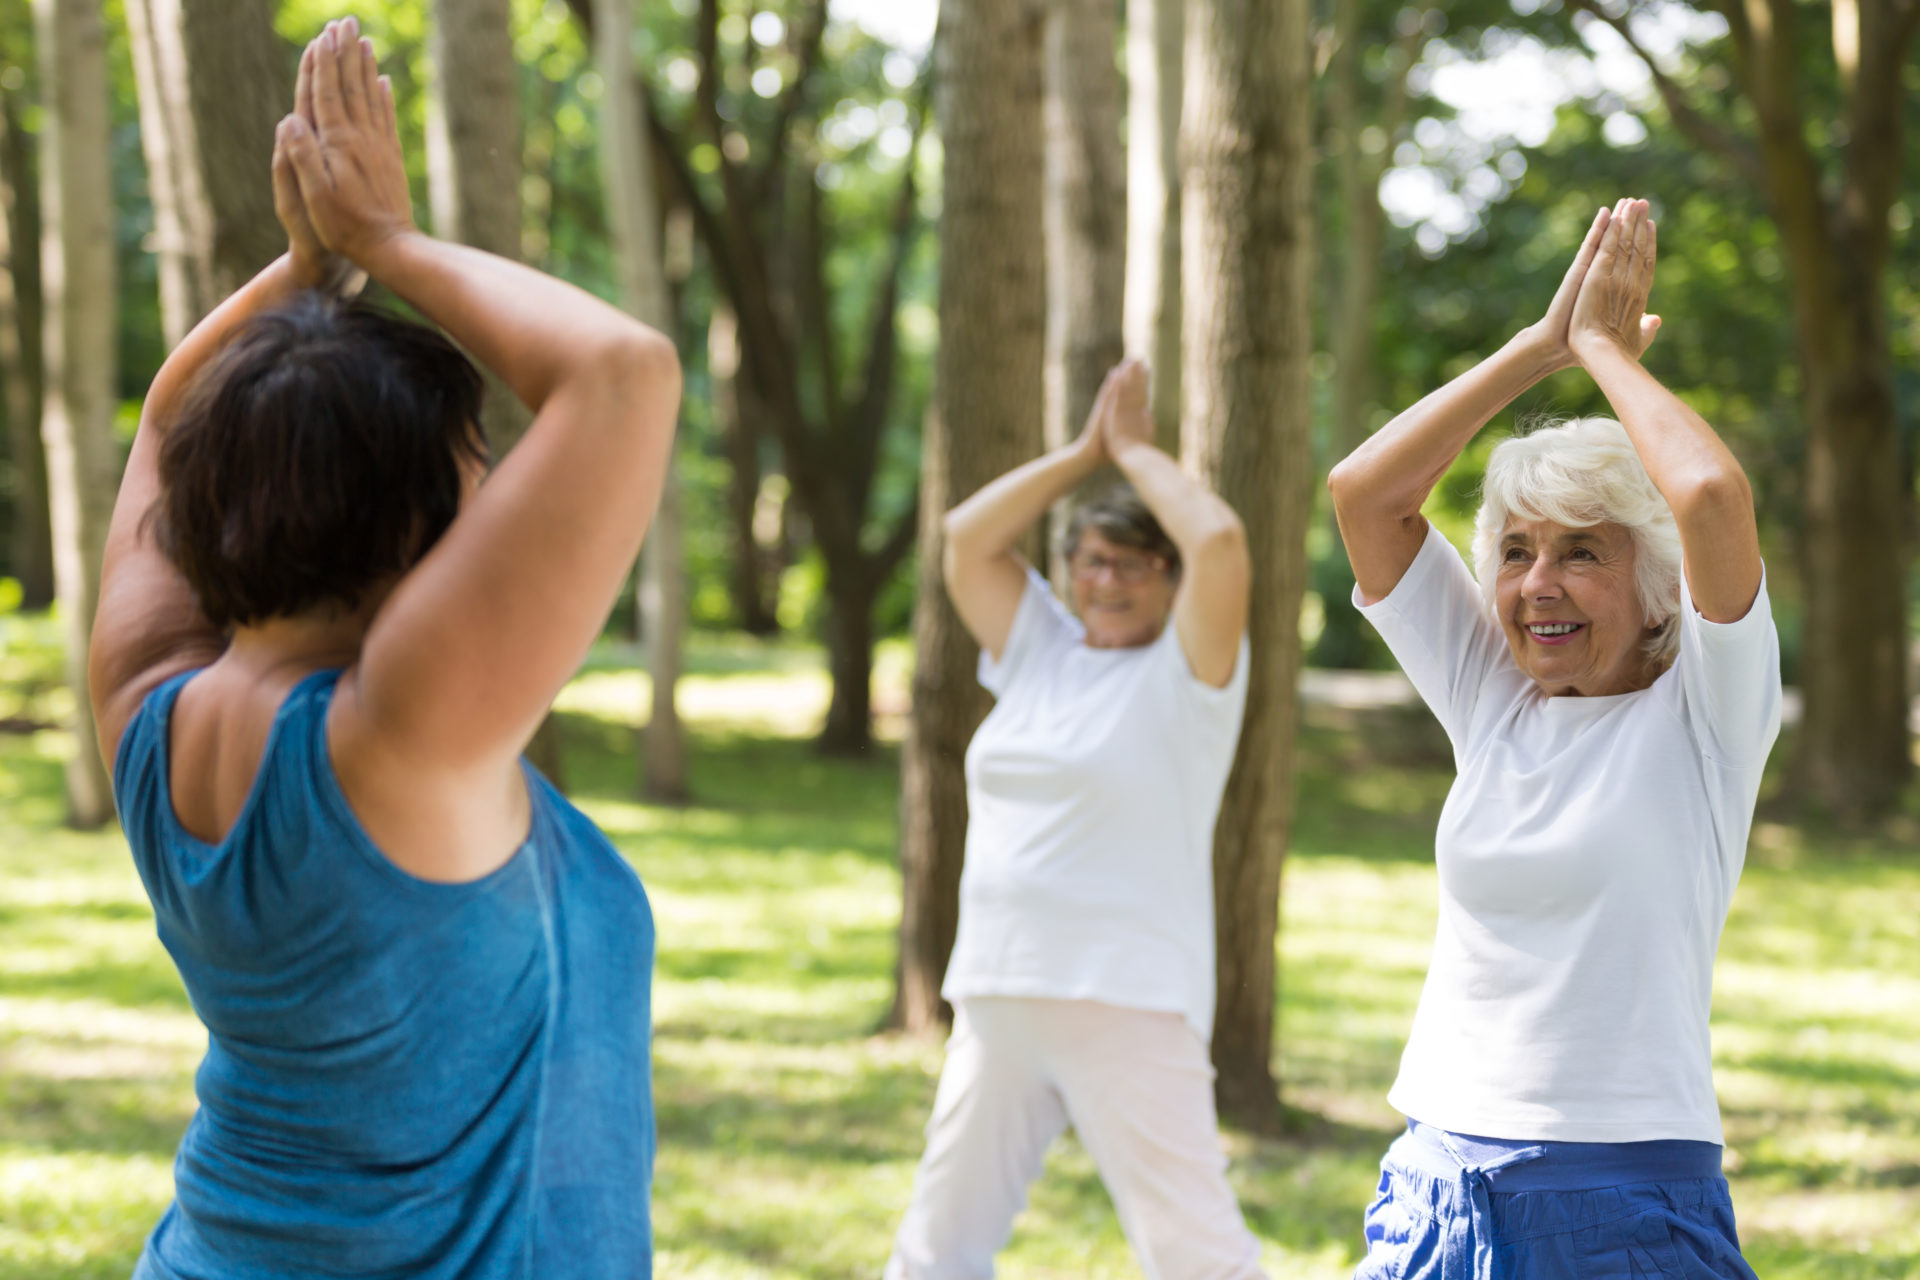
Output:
x=1129 y=569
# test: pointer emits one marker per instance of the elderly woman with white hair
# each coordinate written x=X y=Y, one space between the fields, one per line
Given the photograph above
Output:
x=1611 y=688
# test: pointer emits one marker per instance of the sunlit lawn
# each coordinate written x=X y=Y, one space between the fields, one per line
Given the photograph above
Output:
x=789 y=1130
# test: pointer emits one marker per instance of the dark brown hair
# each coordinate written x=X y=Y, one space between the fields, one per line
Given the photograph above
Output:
x=318 y=454
x=1119 y=516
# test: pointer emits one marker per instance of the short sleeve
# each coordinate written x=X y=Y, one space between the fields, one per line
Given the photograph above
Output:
x=1730 y=680
x=1223 y=704
x=1041 y=627
x=1435 y=622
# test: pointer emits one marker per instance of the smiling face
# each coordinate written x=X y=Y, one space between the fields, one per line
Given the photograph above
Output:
x=1570 y=607
x=1123 y=595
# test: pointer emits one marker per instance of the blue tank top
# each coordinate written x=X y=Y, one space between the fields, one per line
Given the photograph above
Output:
x=403 y=1079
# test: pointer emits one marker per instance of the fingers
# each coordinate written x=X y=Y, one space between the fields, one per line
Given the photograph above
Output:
x=389 y=123
x=301 y=147
x=369 y=70
x=1648 y=244
x=303 y=86
x=329 y=106
x=1589 y=246
x=349 y=61
x=286 y=185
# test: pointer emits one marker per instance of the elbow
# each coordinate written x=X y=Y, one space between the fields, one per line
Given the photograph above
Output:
x=1341 y=482
x=642 y=360
x=1222 y=545
x=1720 y=491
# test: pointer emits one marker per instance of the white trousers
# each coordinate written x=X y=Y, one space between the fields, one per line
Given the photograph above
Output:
x=1136 y=1086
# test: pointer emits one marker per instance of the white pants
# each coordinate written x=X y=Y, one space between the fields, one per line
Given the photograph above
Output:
x=1135 y=1085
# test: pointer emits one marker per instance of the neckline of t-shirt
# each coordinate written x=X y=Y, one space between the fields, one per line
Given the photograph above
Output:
x=1585 y=706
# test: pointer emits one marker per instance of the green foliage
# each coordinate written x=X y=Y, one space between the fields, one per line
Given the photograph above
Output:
x=789 y=1134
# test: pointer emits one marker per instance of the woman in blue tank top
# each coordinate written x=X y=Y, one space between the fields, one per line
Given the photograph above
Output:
x=321 y=646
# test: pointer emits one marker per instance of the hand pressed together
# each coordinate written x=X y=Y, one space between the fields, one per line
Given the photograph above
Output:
x=342 y=148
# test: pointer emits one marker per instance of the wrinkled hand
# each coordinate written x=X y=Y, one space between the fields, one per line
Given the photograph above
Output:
x=1611 y=307
x=1129 y=420
x=1550 y=333
x=344 y=147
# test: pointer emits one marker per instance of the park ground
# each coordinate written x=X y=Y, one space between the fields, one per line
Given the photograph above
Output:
x=789 y=1129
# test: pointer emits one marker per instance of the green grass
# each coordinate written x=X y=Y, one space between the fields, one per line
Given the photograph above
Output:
x=789 y=1131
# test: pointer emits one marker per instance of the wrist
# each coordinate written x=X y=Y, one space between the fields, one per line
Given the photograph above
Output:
x=304 y=270
x=1542 y=354
x=1592 y=348
x=1127 y=452
x=377 y=251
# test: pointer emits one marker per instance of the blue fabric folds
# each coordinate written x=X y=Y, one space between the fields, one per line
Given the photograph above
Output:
x=403 y=1078
x=1455 y=1207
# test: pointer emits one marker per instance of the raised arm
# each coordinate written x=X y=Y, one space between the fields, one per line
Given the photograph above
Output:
x=1379 y=488
x=985 y=573
x=1210 y=611
x=148 y=626
x=465 y=656
x=1693 y=469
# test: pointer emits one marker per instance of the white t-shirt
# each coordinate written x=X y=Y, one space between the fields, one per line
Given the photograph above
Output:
x=1092 y=789
x=1588 y=852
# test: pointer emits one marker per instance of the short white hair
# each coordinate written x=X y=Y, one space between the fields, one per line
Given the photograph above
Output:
x=1582 y=473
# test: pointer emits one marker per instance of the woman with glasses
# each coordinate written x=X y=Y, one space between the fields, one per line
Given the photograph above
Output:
x=1082 y=975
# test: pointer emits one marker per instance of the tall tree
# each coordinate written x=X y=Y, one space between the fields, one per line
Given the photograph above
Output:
x=1151 y=312
x=1085 y=213
x=473 y=186
x=768 y=234
x=1364 y=107
x=1246 y=265
x=753 y=578
x=987 y=80
x=213 y=80
x=20 y=353
x=633 y=216
x=1832 y=207
x=77 y=250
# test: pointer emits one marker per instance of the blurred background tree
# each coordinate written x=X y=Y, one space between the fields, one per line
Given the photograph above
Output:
x=796 y=161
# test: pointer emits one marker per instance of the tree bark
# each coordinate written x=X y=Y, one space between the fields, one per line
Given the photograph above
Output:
x=1151 y=316
x=1854 y=748
x=633 y=214
x=213 y=80
x=1246 y=254
x=473 y=189
x=77 y=250
x=748 y=579
x=1085 y=205
x=20 y=356
x=1357 y=174
x=849 y=634
x=987 y=421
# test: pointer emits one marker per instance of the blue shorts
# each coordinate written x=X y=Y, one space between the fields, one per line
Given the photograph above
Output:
x=1455 y=1207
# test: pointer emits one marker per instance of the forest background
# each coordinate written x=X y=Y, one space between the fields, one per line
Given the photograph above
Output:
x=810 y=196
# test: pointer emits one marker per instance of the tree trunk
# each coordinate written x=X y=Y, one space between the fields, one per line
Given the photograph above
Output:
x=1085 y=204
x=77 y=249
x=1343 y=642
x=1854 y=756
x=20 y=356
x=989 y=378
x=633 y=214
x=1152 y=313
x=849 y=728
x=213 y=80
x=1246 y=254
x=473 y=189
x=753 y=607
